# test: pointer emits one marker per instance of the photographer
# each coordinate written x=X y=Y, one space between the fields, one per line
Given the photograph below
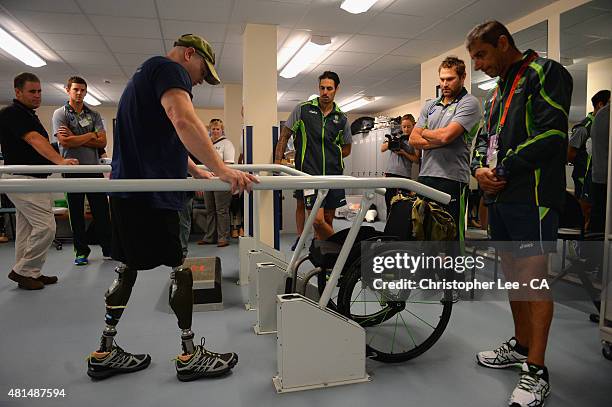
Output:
x=402 y=154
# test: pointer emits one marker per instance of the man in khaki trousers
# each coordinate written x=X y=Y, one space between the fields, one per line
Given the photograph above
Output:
x=26 y=142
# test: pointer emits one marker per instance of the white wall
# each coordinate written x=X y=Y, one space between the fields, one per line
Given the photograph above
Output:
x=599 y=77
x=413 y=108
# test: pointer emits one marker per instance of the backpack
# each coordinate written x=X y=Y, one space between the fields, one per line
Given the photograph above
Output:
x=414 y=218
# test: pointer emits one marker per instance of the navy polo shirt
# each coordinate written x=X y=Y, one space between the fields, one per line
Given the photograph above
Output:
x=146 y=145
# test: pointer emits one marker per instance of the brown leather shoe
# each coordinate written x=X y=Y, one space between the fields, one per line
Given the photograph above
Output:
x=46 y=280
x=222 y=243
x=203 y=242
x=27 y=283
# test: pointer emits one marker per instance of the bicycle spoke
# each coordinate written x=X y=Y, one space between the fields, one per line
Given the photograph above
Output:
x=394 y=332
x=421 y=319
x=408 y=330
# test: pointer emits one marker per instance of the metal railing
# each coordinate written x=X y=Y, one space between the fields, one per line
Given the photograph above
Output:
x=292 y=182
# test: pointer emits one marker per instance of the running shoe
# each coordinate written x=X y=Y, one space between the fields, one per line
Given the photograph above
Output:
x=533 y=387
x=81 y=260
x=101 y=365
x=503 y=357
x=204 y=363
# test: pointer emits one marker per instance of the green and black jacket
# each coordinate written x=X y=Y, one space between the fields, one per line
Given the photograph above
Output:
x=318 y=140
x=533 y=143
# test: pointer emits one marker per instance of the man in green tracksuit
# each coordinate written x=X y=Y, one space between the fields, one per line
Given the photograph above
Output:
x=322 y=135
x=519 y=162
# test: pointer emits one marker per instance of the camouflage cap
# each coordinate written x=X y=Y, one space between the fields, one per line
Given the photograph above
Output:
x=205 y=50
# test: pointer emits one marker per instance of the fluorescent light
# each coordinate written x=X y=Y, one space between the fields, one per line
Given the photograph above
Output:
x=357 y=103
x=20 y=51
x=90 y=100
x=488 y=85
x=290 y=47
x=309 y=53
x=357 y=6
x=313 y=96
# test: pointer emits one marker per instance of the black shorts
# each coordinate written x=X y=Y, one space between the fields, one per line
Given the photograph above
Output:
x=335 y=198
x=532 y=229
x=144 y=237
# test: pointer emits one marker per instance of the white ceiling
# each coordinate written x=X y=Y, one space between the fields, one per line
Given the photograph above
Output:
x=376 y=53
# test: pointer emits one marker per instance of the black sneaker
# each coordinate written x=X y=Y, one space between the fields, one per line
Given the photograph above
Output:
x=103 y=365
x=204 y=363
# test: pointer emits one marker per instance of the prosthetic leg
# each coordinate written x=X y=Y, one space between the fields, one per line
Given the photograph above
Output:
x=117 y=298
x=181 y=302
x=110 y=359
x=195 y=362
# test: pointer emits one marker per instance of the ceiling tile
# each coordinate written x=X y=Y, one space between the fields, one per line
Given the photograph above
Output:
x=433 y=9
x=212 y=32
x=397 y=25
x=127 y=26
x=328 y=15
x=120 y=8
x=69 y=42
x=133 y=59
x=56 y=6
x=59 y=23
x=355 y=59
x=101 y=71
x=342 y=71
x=87 y=57
x=600 y=26
x=217 y=11
x=268 y=12
x=372 y=44
x=135 y=45
x=423 y=49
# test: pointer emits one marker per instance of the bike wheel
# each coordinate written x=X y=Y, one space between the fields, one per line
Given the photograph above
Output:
x=398 y=327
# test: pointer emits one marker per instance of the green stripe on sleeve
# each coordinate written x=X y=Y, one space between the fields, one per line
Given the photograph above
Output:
x=543 y=93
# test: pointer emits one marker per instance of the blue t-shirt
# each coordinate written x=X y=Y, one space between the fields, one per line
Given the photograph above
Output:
x=145 y=143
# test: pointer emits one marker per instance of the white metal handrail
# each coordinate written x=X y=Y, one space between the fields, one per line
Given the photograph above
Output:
x=322 y=183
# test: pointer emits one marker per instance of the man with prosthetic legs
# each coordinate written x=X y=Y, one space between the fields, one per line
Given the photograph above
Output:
x=156 y=127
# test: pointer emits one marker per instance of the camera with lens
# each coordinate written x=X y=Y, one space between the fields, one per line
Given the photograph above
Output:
x=396 y=139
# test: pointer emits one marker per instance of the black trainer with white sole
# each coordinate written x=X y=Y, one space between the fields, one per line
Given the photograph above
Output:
x=204 y=363
x=117 y=361
x=503 y=357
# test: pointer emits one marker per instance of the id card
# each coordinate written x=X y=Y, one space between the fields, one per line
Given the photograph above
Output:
x=492 y=150
x=309 y=192
x=85 y=121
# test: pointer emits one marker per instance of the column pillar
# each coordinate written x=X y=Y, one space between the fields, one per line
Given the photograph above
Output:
x=231 y=112
x=260 y=109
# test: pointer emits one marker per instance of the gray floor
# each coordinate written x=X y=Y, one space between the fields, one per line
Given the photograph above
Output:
x=46 y=336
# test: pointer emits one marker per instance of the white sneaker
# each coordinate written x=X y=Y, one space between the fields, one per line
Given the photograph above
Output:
x=503 y=357
x=532 y=388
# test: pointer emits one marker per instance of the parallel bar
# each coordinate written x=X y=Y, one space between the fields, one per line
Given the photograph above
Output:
x=266 y=183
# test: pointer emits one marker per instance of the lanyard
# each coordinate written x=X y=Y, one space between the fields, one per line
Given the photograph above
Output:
x=517 y=79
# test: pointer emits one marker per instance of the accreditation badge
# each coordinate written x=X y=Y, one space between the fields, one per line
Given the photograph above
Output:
x=492 y=150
